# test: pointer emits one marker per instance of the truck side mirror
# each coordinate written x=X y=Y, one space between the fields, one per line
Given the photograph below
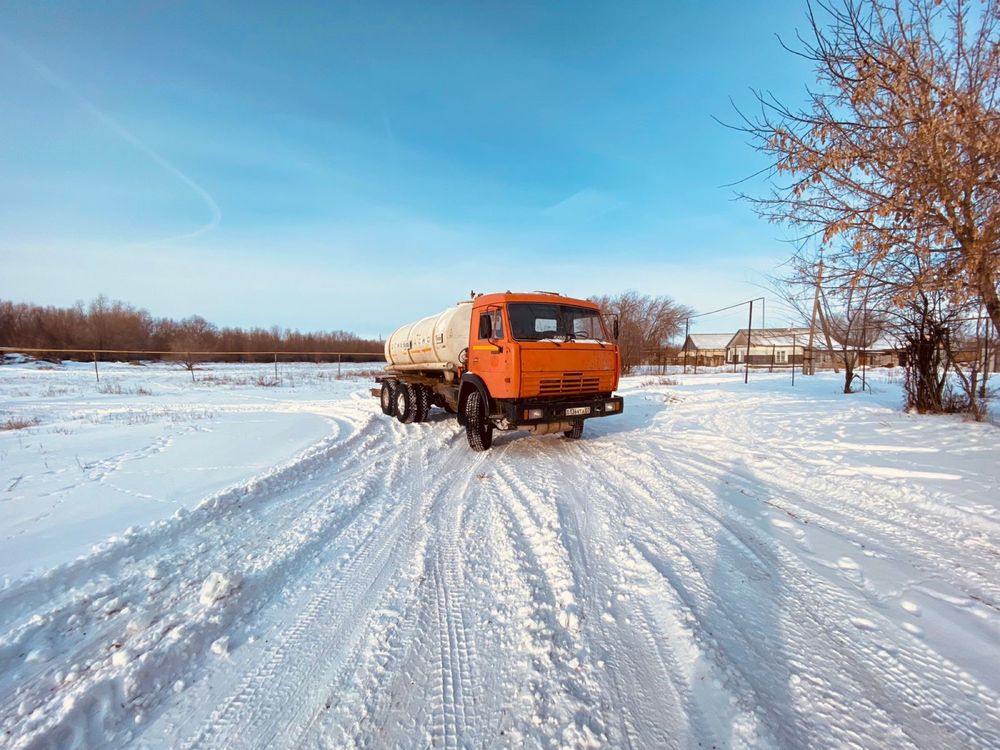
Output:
x=614 y=329
x=485 y=326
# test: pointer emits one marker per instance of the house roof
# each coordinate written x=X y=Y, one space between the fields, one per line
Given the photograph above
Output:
x=771 y=337
x=798 y=337
x=881 y=344
x=708 y=340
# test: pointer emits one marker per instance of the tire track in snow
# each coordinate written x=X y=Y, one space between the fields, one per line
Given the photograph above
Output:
x=660 y=710
x=171 y=634
x=380 y=668
x=385 y=624
x=116 y=583
x=573 y=707
x=443 y=643
x=426 y=661
x=278 y=696
x=116 y=562
x=341 y=669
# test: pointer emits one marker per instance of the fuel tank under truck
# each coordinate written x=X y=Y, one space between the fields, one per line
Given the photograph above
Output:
x=438 y=342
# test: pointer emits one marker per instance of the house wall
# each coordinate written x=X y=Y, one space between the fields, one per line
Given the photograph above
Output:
x=765 y=355
x=703 y=357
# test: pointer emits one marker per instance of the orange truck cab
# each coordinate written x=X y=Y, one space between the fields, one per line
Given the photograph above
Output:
x=538 y=361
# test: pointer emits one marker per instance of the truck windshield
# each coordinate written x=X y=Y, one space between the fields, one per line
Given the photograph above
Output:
x=535 y=321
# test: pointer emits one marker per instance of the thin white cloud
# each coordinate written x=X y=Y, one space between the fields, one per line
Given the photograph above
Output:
x=128 y=137
x=585 y=204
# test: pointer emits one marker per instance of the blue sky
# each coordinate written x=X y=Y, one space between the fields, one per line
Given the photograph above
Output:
x=356 y=165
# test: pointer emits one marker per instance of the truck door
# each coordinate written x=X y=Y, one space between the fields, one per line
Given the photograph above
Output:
x=490 y=354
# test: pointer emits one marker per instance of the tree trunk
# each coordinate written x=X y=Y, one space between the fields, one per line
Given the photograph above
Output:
x=848 y=379
x=848 y=372
x=988 y=292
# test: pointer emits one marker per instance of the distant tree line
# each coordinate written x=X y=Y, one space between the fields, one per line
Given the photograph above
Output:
x=112 y=324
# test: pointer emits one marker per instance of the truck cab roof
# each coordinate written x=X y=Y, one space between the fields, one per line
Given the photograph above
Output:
x=497 y=298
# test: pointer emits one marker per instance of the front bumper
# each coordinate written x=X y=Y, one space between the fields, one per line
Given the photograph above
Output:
x=516 y=412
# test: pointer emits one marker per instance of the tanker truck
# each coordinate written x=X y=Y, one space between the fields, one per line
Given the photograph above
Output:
x=538 y=362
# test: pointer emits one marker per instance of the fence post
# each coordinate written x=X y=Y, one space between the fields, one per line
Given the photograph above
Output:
x=794 y=346
x=96 y=373
x=191 y=366
x=276 y=366
x=338 y=367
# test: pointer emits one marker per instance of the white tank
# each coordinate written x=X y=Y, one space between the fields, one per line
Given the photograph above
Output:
x=437 y=341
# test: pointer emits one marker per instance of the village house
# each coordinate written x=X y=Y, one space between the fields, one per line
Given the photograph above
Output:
x=705 y=349
x=781 y=347
x=768 y=346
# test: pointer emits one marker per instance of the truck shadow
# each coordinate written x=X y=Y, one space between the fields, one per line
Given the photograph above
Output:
x=747 y=601
x=439 y=415
x=641 y=410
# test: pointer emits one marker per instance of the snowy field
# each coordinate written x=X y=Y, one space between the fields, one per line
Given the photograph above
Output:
x=232 y=564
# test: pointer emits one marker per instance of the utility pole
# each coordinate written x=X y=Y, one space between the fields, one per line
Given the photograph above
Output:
x=687 y=328
x=809 y=368
x=825 y=326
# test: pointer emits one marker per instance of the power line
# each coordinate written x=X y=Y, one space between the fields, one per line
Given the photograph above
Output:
x=723 y=309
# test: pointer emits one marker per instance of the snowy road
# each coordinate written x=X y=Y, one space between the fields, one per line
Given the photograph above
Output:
x=723 y=565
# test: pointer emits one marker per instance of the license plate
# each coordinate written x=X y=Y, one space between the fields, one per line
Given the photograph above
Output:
x=577 y=410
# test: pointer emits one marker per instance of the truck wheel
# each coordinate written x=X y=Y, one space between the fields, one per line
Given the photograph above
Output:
x=576 y=432
x=388 y=398
x=478 y=429
x=406 y=403
x=423 y=403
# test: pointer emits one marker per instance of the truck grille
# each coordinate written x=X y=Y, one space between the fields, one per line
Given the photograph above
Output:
x=570 y=382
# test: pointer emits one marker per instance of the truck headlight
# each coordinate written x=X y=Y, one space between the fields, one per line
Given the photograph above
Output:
x=611 y=406
x=534 y=413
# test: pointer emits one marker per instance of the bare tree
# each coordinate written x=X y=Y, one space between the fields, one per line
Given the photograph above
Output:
x=849 y=317
x=646 y=323
x=897 y=151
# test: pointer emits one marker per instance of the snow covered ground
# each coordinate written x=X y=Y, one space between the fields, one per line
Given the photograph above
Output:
x=227 y=564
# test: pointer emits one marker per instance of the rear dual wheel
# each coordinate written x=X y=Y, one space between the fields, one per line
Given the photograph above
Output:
x=387 y=397
x=411 y=403
x=405 y=403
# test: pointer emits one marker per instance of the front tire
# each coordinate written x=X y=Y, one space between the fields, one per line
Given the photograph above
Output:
x=423 y=402
x=478 y=428
x=576 y=432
